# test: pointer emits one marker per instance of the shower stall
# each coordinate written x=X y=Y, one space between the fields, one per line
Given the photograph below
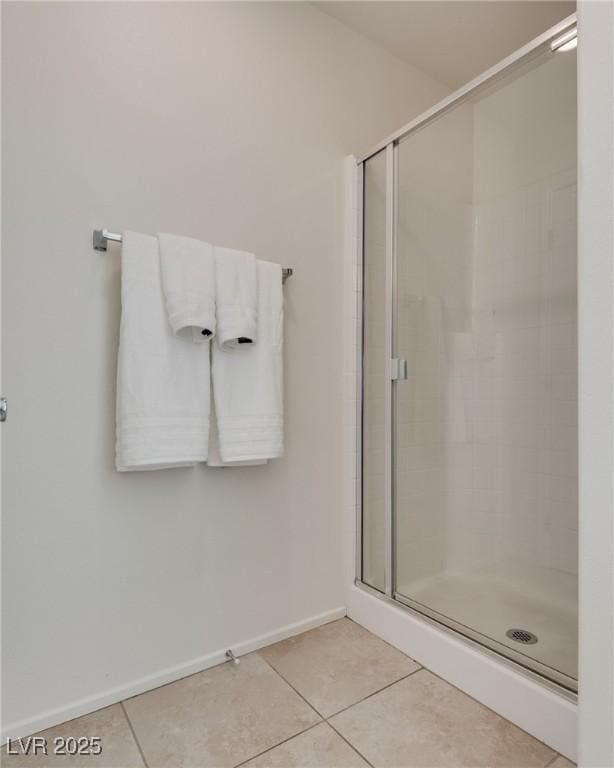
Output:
x=469 y=494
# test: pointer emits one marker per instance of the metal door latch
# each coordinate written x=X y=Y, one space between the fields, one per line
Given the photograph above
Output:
x=4 y=407
x=398 y=369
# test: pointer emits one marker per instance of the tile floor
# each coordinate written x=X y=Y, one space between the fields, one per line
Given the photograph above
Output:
x=333 y=697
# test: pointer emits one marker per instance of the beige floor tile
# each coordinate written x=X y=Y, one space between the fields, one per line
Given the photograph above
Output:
x=319 y=747
x=220 y=717
x=337 y=664
x=423 y=721
x=119 y=749
x=561 y=762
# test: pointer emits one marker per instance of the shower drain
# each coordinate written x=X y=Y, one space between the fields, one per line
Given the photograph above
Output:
x=522 y=636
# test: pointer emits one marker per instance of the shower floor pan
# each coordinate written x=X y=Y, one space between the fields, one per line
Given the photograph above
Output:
x=491 y=601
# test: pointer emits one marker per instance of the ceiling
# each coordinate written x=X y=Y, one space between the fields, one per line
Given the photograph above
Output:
x=451 y=40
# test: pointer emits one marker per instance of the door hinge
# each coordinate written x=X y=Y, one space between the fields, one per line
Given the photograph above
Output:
x=4 y=407
x=398 y=369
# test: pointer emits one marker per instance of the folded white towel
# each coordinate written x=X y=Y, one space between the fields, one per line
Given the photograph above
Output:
x=214 y=459
x=188 y=284
x=236 y=297
x=247 y=382
x=163 y=381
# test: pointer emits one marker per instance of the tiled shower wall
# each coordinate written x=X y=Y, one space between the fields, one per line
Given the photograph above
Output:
x=524 y=314
x=433 y=449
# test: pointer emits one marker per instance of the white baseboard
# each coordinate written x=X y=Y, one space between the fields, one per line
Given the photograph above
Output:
x=543 y=713
x=168 y=675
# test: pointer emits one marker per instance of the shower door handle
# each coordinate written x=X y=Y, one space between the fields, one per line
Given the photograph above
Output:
x=398 y=369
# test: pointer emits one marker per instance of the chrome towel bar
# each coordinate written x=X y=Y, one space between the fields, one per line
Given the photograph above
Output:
x=101 y=238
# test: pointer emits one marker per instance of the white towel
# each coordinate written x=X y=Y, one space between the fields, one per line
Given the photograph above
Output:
x=214 y=459
x=188 y=284
x=236 y=297
x=163 y=381
x=247 y=382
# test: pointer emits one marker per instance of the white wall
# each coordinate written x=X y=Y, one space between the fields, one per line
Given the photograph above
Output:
x=596 y=382
x=221 y=121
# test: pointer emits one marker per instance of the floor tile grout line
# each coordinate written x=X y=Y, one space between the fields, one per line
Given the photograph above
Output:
x=321 y=717
x=349 y=743
x=370 y=695
x=354 y=703
x=327 y=719
x=134 y=736
x=284 y=741
x=365 y=698
x=298 y=693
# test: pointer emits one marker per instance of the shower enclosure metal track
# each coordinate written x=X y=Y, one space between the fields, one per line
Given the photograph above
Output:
x=523 y=55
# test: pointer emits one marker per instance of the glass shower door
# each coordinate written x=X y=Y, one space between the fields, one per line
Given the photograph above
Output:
x=485 y=443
